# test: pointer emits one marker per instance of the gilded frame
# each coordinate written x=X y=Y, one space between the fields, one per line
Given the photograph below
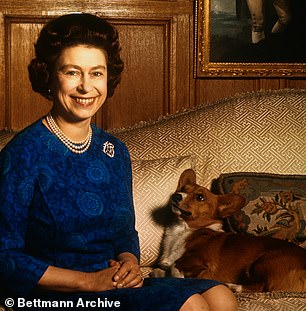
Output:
x=206 y=68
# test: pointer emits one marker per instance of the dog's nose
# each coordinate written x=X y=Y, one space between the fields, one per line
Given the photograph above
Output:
x=176 y=197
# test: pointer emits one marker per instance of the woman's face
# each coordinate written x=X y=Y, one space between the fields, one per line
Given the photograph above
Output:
x=80 y=82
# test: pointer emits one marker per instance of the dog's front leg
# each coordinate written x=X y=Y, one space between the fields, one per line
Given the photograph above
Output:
x=166 y=260
x=158 y=273
x=174 y=246
x=234 y=287
x=169 y=241
x=175 y=272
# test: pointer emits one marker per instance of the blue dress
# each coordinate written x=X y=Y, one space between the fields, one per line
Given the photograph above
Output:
x=73 y=211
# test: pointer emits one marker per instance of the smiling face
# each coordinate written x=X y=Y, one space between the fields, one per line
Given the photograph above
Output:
x=80 y=83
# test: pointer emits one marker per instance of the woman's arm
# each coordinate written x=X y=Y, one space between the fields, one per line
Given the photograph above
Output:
x=125 y=272
x=18 y=271
x=126 y=240
x=65 y=280
x=126 y=243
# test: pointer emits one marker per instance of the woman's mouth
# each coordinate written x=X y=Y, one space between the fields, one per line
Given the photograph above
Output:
x=84 y=101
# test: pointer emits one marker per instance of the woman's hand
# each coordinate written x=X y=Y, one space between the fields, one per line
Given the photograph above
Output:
x=103 y=280
x=129 y=274
x=124 y=272
x=65 y=280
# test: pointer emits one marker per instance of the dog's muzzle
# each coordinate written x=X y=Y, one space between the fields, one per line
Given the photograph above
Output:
x=176 y=198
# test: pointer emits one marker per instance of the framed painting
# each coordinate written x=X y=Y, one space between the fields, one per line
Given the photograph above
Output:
x=250 y=38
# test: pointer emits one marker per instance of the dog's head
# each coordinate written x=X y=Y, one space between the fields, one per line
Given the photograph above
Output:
x=198 y=206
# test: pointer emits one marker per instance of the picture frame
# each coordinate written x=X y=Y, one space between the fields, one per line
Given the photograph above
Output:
x=224 y=47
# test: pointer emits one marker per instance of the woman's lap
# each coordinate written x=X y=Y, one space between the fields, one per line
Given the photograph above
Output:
x=166 y=294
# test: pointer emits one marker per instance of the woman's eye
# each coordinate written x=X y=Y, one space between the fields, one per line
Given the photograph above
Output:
x=97 y=74
x=72 y=73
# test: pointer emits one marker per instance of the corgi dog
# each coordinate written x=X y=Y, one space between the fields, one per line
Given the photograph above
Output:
x=196 y=246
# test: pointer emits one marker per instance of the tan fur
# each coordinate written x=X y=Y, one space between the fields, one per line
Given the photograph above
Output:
x=257 y=263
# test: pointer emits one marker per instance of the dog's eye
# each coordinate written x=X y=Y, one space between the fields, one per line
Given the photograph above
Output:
x=200 y=197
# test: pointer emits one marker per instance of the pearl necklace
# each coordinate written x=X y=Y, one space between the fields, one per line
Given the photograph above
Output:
x=74 y=146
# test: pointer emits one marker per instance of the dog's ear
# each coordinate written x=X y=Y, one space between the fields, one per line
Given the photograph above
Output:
x=229 y=204
x=188 y=177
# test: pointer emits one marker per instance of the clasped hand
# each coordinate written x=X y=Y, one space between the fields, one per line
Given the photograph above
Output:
x=124 y=272
x=128 y=274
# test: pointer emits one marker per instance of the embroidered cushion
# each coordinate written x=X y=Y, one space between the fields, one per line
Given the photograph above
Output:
x=276 y=204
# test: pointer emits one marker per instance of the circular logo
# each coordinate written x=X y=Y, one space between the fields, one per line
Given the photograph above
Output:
x=9 y=302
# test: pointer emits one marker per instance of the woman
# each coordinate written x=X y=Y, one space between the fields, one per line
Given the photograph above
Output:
x=67 y=219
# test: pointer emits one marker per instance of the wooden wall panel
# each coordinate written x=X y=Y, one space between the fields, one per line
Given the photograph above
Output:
x=3 y=84
x=145 y=81
x=210 y=90
x=22 y=103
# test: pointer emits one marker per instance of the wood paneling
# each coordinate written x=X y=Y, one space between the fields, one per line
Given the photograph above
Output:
x=22 y=103
x=209 y=90
x=157 y=38
x=145 y=82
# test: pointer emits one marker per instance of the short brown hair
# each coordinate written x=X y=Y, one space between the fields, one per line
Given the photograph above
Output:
x=70 y=30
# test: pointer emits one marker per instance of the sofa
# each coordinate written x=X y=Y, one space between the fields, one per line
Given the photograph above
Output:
x=258 y=139
x=253 y=144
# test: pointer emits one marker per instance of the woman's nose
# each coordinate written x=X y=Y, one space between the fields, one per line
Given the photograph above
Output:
x=85 y=85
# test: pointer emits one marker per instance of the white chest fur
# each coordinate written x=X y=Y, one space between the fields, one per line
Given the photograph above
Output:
x=174 y=246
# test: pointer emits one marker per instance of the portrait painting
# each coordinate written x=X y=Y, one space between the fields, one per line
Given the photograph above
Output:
x=250 y=38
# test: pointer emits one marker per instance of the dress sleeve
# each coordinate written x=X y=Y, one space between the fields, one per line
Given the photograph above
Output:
x=19 y=272
x=128 y=241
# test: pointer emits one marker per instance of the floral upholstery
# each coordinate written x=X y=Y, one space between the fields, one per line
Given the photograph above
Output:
x=275 y=204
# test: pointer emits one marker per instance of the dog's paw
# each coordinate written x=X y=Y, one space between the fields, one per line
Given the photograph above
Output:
x=176 y=273
x=165 y=263
x=158 y=273
x=234 y=287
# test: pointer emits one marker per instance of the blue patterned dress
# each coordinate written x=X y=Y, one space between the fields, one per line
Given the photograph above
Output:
x=73 y=211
